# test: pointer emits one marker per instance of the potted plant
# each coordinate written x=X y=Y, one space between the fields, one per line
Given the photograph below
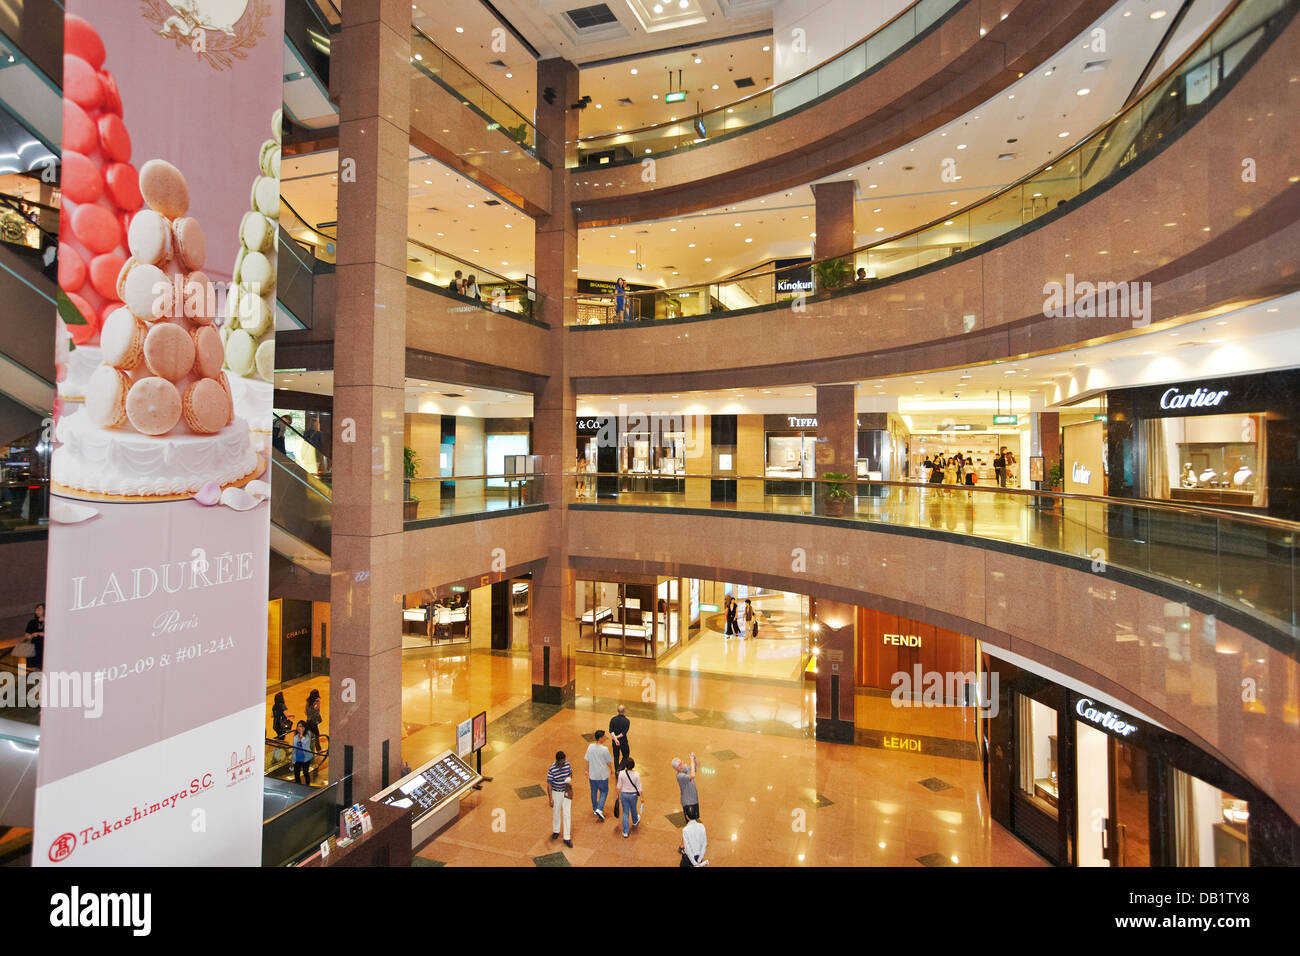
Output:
x=831 y=274
x=834 y=493
x=410 y=469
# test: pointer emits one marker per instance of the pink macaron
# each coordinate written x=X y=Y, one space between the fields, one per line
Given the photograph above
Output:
x=146 y=290
x=153 y=406
x=81 y=39
x=123 y=185
x=169 y=351
x=97 y=227
x=112 y=98
x=81 y=180
x=72 y=268
x=104 y=270
x=189 y=243
x=78 y=129
x=81 y=82
x=114 y=140
x=105 y=399
x=200 y=299
x=208 y=352
x=164 y=188
x=204 y=407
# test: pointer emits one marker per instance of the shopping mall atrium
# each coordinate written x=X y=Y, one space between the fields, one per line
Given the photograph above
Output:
x=877 y=423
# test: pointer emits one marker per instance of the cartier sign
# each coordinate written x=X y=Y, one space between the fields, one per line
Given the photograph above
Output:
x=1201 y=398
x=1107 y=720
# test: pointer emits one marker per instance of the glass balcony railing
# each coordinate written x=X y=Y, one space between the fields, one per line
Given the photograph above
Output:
x=1242 y=561
x=1178 y=98
x=694 y=128
x=499 y=116
x=430 y=265
x=428 y=498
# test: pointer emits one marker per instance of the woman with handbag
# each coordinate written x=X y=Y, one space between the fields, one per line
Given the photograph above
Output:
x=33 y=648
x=630 y=795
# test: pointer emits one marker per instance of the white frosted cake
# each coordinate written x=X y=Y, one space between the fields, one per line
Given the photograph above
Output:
x=82 y=362
x=94 y=462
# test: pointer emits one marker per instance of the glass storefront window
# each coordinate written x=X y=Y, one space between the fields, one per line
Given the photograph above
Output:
x=1210 y=825
x=791 y=456
x=1038 y=776
x=1208 y=459
x=498 y=447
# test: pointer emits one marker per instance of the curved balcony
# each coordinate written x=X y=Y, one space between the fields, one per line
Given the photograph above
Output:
x=934 y=61
x=1178 y=213
x=1166 y=608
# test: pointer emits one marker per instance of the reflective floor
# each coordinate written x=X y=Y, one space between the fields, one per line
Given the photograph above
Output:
x=770 y=794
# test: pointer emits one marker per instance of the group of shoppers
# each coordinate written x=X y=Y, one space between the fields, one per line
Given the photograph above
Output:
x=630 y=800
x=468 y=287
x=959 y=469
x=741 y=621
x=306 y=733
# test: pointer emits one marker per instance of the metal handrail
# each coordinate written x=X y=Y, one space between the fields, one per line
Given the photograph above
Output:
x=1206 y=38
x=538 y=474
x=1277 y=524
x=772 y=88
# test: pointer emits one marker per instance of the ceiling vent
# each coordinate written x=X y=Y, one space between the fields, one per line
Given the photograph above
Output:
x=453 y=395
x=744 y=82
x=1095 y=66
x=1006 y=155
x=625 y=101
x=491 y=202
x=499 y=64
x=596 y=15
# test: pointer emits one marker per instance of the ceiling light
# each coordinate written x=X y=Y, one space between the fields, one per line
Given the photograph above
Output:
x=471 y=205
x=715 y=86
x=1083 y=92
x=953 y=203
x=510 y=76
x=698 y=60
x=877 y=209
x=708 y=259
x=658 y=8
x=880 y=229
x=1063 y=134
x=683 y=3
x=460 y=29
x=634 y=71
x=948 y=223
x=749 y=240
x=872 y=186
x=598 y=106
x=961 y=145
x=428 y=182
x=1050 y=71
x=690 y=245
x=1156 y=14
x=735 y=224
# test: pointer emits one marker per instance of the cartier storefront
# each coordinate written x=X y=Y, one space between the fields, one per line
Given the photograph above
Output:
x=1230 y=442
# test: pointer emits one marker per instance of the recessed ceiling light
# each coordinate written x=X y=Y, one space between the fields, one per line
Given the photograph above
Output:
x=698 y=60
x=1063 y=134
x=877 y=209
x=598 y=106
x=1083 y=92
x=659 y=8
x=948 y=223
x=749 y=240
x=880 y=229
x=735 y=224
x=766 y=49
x=510 y=76
x=953 y=203
x=690 y=245
x=460 y=29
x=471 y=205
x=708 y=258
x=1157 y=14
x=428 y=182
x=961 y=145
x=715 y=86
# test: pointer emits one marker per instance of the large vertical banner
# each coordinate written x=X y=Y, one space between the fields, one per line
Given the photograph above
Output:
x=153 y=697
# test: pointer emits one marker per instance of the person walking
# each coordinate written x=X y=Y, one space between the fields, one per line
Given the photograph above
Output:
x=559 y=792
x=742 y=621
x=1000 y=467
x=731 y=618
x=686 y=783
x=695 y=841
x=301 y=753
x=936 y=470
x=618 y=728
x=630 y=795
x=753 y=618
x=950 y=471
x=457 y=284
x=599 y=760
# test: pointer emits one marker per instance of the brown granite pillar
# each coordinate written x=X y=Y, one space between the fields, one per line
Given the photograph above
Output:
x=370 y=81
x=833 y=212
x=834 y=639
x=837 y=442
x=553 y=633
x=1049 y=442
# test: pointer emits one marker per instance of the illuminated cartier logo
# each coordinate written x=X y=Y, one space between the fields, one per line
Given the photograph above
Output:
x=1200 y=398
x=1110 y=720
x=1080 y=474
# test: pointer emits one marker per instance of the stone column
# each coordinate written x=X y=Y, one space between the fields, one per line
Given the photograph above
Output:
x=833 y=212
x=834 y=633
x=837 y=438
x=371 y=83
x=553 y=634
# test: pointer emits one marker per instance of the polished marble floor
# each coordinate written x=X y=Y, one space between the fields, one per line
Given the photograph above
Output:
x=770 y=794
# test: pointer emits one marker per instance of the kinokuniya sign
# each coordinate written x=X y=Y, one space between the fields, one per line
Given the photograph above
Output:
x=1106 y=718
x=793 y=276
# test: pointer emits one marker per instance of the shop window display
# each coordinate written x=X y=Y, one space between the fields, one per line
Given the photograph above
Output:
x=1210 y=825
x=1039 y=774
x=1207 y=459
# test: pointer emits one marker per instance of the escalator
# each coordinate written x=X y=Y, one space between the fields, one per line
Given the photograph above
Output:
x=301 y=511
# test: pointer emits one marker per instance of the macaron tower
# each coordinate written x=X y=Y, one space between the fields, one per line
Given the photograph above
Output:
x=158 y=421
x=249 y=331
x=101 y=194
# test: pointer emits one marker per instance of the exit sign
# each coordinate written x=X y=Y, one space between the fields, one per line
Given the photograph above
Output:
x=458 y=588
x=1006 y=419
x=708 y=607
x=675 y=97
x=1098 y=418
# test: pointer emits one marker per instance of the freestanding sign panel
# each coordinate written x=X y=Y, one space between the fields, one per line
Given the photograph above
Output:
x=157 y=583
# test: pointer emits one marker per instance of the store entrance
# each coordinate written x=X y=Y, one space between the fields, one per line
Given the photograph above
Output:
x=1130 y=813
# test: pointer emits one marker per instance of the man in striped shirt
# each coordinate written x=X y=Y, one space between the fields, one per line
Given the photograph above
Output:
x=559 y=792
